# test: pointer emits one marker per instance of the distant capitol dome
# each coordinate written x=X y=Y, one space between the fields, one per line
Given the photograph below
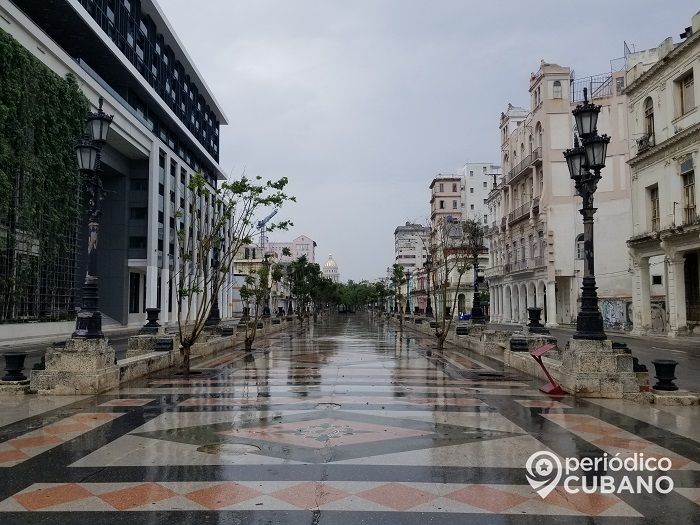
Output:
x=330 y=269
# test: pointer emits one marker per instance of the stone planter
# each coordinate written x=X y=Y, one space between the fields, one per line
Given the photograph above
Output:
x=152 y=326
x=534 y=314
x=665 y=373
x=14 y=364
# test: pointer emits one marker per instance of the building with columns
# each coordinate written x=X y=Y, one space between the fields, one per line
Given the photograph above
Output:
x=664 y=124
x=535 y=233
x=330 y=269
x=165 y=128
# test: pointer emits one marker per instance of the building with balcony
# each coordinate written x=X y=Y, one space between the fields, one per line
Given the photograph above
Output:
x=411 y=243
x=165 y=128
x=535 y=234
x=664 y=123
x=446 y=194
x=450 y=196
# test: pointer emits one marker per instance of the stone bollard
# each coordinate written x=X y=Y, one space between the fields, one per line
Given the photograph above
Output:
x=665 y=373
x=14 y=364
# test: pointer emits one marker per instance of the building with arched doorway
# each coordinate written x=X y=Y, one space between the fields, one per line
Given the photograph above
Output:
x=534 y=234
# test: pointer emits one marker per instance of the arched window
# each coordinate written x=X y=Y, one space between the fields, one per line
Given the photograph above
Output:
x=538 y=134
x=579 y=246
x=529 y=140
x=649 y=116
x=556 y=89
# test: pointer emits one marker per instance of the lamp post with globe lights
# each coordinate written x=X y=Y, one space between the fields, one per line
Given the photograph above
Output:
x=428 y=265
x=408 y=296
x=89 y=320
x=585 y=161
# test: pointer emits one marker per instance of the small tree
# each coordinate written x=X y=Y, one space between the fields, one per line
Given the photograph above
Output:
x=380 y=294
x=214 y=225
x=304 y=278
x=255 y=290
x=451 y=249
x=398 y=279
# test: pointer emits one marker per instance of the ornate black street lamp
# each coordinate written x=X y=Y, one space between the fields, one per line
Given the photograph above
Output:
x=214 y=314
x=89 y=322
x=477 y=241
x=585 y=162
x=266 y=302
x=408 y=296
x=428 y=265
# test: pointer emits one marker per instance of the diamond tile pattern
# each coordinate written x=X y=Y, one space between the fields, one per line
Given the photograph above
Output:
x=398 y=497
x=21 y=448
x=338 y=422
x=615 y=440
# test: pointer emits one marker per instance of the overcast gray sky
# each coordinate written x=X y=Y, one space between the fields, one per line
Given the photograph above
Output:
x=361 y=102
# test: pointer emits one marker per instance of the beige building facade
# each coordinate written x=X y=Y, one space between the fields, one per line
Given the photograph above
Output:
x=535 y=233
x=664 y=124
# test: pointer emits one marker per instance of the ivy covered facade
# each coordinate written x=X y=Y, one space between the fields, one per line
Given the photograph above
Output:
x=41 y=116
x=154 y=147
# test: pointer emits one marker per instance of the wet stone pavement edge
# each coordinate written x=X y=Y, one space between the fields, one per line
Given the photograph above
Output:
x=347 y=421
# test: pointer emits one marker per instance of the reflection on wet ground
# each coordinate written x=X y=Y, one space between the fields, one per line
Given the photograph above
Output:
x=349 y=421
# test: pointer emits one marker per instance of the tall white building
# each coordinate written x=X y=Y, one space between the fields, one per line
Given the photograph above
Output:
x=411 y=242
x=477 y=182
x=535 y=236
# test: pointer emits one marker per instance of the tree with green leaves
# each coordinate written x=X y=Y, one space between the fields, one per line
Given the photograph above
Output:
x=255 y=293
x=398 y=279
x=215 y=224
x=304 y=278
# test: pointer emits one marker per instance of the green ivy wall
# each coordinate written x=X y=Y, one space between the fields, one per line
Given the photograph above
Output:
x=41 y=116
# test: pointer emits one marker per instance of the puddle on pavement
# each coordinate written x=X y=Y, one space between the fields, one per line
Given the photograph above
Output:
x=327 y=406
x=228 y=449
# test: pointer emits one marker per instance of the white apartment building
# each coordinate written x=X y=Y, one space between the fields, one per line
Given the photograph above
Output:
x=301 y=245
x=477 y=182
x=411 y=243
x=535 y=236
x=664 y=124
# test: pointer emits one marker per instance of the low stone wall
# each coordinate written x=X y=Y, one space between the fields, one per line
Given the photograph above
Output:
x=134 y=367
x=496 y=344
x=88 y=367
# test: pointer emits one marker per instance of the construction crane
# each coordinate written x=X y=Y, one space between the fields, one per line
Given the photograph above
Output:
x=261 y=226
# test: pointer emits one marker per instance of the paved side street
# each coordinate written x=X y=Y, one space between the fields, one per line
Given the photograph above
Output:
x=347 y=422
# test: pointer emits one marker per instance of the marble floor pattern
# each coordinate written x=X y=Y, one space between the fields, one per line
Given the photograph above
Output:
x=348 y=421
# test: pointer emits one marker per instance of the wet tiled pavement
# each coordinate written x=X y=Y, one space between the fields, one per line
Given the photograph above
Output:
x=347 y=422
